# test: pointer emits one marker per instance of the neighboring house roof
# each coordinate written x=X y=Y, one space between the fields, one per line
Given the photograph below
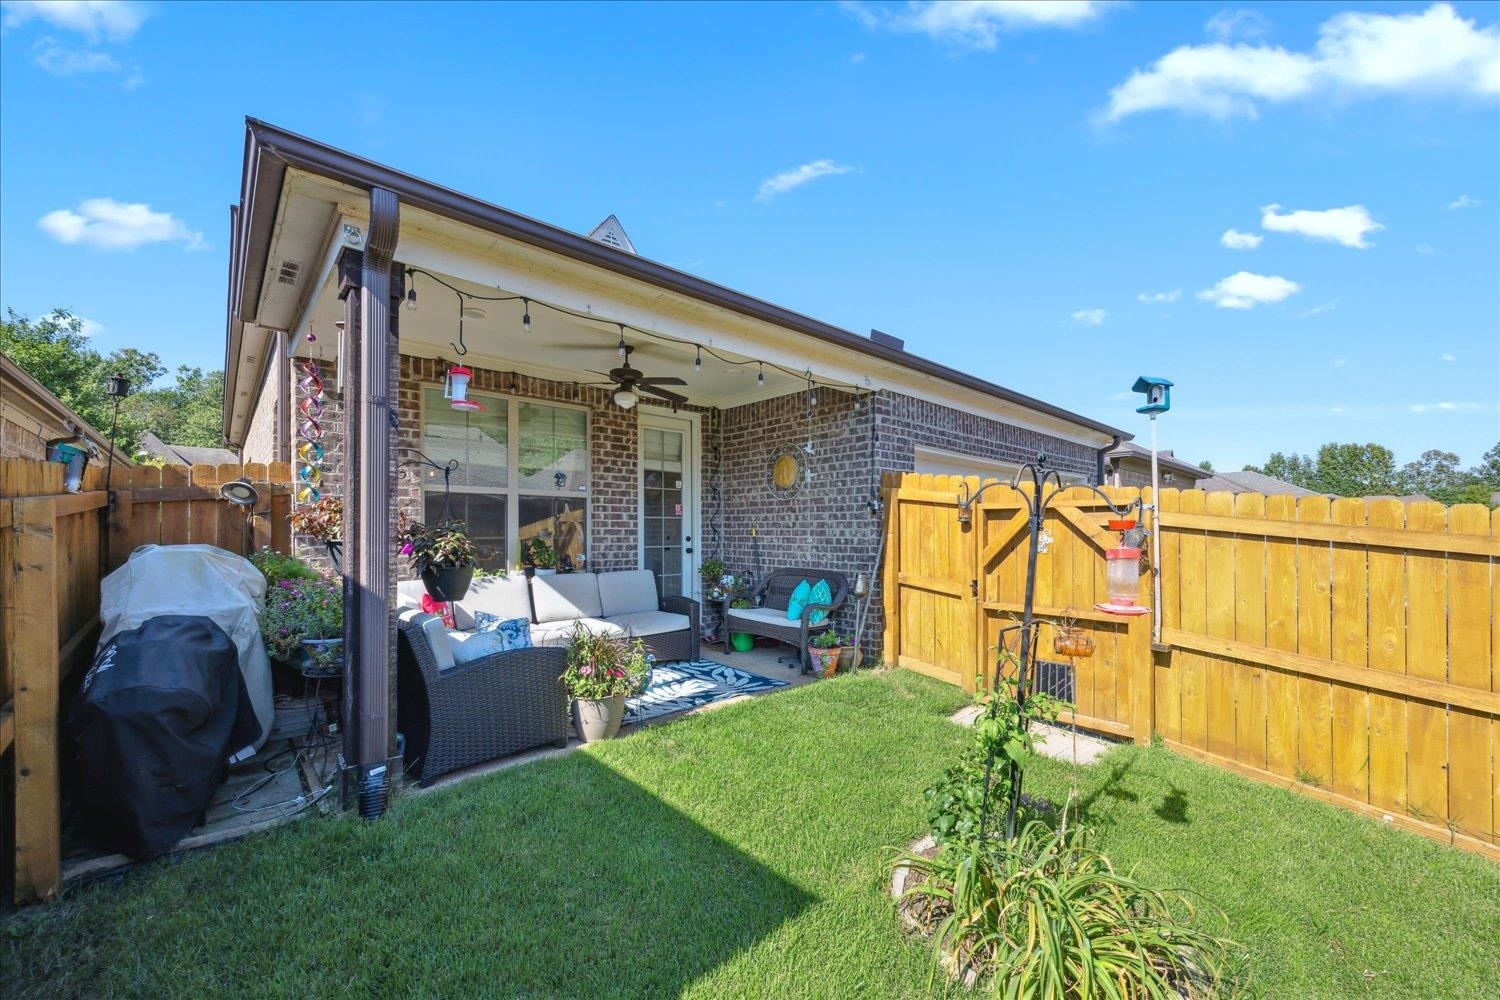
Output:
x=1254 y=482
x=186 y=454
x=22 y=397
x=1165 y=460
x=270 y=151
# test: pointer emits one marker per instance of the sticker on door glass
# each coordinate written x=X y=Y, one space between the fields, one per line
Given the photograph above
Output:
x=677 y=510
x=678 y=486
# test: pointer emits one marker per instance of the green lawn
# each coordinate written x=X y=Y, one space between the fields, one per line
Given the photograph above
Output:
x=741 y=853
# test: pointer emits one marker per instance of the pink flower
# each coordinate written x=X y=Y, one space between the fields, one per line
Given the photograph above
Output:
x=616 y=672
x=586 y=671
x=407 y=549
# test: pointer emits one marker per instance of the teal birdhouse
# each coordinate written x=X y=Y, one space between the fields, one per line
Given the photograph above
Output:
x=1158 y=393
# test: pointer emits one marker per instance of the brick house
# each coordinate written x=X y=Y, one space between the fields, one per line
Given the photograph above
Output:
x=771 y=457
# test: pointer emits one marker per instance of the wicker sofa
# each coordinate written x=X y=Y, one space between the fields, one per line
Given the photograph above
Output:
x=454 y=715
x=619 y=603
x=771 y=598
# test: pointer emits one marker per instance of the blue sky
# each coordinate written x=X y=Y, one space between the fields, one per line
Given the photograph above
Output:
x=1002 y=185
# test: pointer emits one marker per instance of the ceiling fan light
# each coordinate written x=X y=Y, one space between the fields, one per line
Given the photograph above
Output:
x=626 y=399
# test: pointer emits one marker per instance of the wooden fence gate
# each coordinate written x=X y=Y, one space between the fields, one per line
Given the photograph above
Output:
x=1344 y=648
x=54 y=548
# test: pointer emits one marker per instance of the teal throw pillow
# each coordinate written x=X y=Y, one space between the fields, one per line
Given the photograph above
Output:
x=798 y=601
x=821 y=594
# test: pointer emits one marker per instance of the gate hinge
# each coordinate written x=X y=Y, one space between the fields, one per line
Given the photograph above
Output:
x=973 y=588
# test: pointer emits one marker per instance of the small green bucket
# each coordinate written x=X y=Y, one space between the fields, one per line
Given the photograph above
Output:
x=742 y=641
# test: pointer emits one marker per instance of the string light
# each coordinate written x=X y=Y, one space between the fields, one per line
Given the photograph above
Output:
x=526 y=302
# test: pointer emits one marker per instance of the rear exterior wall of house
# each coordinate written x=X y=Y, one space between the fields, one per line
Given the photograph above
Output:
x=832 y=521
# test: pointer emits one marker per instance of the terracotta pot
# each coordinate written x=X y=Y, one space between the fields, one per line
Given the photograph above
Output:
x=598 y=718
x=1073 y=642
x=448 y=583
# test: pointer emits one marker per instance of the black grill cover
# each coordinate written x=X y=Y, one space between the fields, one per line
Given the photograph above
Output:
x=159 y=712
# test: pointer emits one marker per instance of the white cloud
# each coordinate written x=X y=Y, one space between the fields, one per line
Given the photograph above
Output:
x=1090 y=317
x=1315 y=310
x=107 y=224
x=86 y=326
x=1336 y=410
x=59 y=60
x=1434 y=52
x=1446 y=357
x=1464 y=201
x=1230 y=24
x=976 y=24
x=798 y=176
x=1446 y=406
x=1236 y=240
x=1341 y=362
x=1243 y=290
x=1424 y=248
x=1159 y=298
x=1348 y=225
x=116 y=20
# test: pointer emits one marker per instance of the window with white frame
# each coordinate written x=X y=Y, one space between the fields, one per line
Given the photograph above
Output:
x=523 y=474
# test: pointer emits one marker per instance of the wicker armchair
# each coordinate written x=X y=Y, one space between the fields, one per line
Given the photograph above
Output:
x=773 y=594
x=477 y=711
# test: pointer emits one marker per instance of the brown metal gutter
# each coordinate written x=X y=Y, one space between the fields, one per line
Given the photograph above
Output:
x=269 y=150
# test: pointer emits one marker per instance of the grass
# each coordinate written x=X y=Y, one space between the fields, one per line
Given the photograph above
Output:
x=742 y=853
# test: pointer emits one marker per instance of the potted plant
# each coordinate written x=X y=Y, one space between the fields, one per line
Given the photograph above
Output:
x=743 y=642
x=826 y=648
x=711 y=572
x=303 y=624
x=602 y=670
x=539 y=556
x=443 y=555
x=323 y=521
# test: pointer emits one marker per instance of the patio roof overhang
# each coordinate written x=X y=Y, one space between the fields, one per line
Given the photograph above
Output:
x=302 y=202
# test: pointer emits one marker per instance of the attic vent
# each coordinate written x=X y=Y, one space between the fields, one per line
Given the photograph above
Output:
x=612 y=234
x=886 y=340
x=287 y=274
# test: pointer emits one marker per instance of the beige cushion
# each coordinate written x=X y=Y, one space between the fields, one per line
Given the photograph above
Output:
x=641 y=623
x=505 y=597
x=562 y=596
x=559 y=632
x=628 y=591
x=409 y=593
x=763 y=616
x=436 y=633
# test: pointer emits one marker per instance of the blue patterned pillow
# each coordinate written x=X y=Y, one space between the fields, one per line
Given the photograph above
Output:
x=821 y=594
x=515 y=632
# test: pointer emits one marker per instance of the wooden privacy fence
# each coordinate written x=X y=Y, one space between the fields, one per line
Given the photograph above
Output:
x=1344 y=648
x=54 y=546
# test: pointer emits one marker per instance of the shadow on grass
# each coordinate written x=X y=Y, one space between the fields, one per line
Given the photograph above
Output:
x=1097 y=813
x=1174 y=806
x=560 y=878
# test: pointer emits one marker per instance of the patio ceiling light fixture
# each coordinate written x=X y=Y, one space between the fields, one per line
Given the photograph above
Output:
x=626 y=399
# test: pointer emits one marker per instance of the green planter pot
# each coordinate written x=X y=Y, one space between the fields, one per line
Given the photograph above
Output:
x=742 y=641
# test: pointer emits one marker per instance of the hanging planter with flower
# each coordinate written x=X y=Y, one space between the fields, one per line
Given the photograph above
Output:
x=443 y=555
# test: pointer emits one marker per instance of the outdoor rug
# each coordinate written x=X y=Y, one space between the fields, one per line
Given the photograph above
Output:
x=682 y=684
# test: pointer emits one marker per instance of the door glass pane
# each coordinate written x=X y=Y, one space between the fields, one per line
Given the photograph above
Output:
x=662 y=511
x=553 y=448
x=477 y=440
x=562 y=521
x=485 y=516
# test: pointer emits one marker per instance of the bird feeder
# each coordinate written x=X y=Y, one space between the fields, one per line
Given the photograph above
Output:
x=456 y=389
x=1123 y=577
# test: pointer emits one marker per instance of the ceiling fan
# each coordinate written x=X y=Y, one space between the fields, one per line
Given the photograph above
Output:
x=631 y=384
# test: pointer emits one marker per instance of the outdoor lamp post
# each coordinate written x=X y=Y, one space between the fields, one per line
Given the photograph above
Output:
x=1046 y=485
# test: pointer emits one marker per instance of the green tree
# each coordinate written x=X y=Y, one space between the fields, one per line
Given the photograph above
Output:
x=187 y=411
x=1298 y=470
x=1357 y=470
x=1206 y=465
x=54 y=351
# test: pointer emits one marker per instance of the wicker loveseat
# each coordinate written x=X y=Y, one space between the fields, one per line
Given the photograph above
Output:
x=768 y=617
x=455 y=715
